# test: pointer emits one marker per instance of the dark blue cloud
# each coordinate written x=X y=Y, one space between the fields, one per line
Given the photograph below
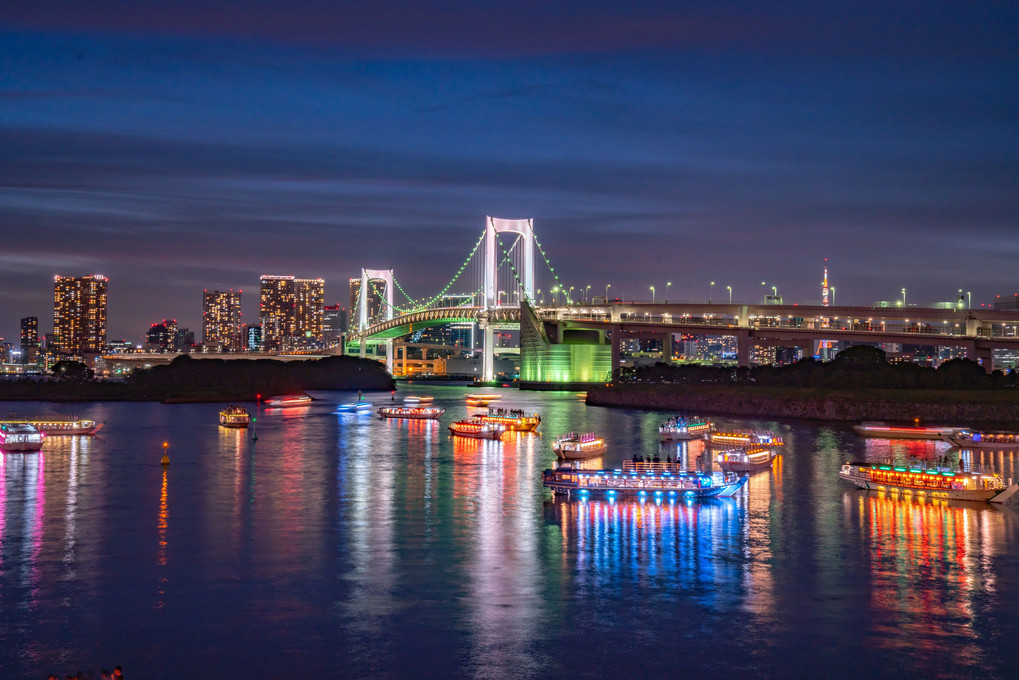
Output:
x=193 y=145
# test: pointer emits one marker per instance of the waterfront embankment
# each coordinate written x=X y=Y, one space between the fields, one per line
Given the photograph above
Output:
x=211 y=380
x=949 y=406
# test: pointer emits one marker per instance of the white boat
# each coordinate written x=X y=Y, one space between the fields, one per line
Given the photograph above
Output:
x=744 y=438
x=746 y=459
x=289 y=400
x=932 y=483
x=576 y=446
x=20 y=438
x=234 y=416
x=886 y=431
x=475 y=428
x=411 y=412
x=413 y=400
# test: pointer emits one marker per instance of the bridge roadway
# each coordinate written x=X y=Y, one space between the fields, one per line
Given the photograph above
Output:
x=979 y=331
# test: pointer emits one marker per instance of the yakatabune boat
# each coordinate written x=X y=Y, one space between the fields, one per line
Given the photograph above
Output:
x=683 y=429
x=512 y=419
x=59 y=425
x=746 y=460
x=886 y=431
x=475 y=428
x=576 y=446
x=289 y=400
x=968 y=439
x=748 y=438
x=411 y=412
x=642 y=479
x=929 y=482
x=234 y=416
x=20 y=438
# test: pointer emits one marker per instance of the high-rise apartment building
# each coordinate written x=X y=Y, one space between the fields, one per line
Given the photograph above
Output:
x=276 y=304
x=79 y=314
x=309 y=299
x=29 y=334
x=221 y=321
x=162 y=336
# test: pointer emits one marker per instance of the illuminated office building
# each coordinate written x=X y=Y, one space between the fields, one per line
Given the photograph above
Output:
x=221 y=320
x=334 y=323
x=79 y=314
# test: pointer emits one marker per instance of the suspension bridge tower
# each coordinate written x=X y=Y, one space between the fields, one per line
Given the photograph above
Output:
x=367 y=276
x=493 y=227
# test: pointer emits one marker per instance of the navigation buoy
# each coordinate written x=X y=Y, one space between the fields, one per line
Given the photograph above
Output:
x=166 y=456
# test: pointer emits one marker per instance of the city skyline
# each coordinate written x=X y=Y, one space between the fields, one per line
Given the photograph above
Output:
x=175 y=152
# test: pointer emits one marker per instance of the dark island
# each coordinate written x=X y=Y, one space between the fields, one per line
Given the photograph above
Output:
x=204 y=380
x=859 y=384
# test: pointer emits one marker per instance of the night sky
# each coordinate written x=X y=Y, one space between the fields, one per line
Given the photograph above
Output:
x=177 y=146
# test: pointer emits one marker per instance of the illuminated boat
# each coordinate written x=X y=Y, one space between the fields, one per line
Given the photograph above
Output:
x=355 y=407
x=289 y=400
x=642 y=479
x=512 y=419
x=886 y=431
x=747 y=438
x=683 y=429
x=476 y=428
x=968 y=439
x=412 y=399
x=234 y=416
x=411 y=412
x=60 y=425
x=932 y=483
x=481 y=400
x=576 y=446
x=20 y=438
x=746 y=459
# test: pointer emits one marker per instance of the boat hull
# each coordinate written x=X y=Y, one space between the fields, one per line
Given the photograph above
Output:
x=20 y=447
x=52 y=428
x=607 y=482
x=573 y=453
x=479 y=434
x=235 y=424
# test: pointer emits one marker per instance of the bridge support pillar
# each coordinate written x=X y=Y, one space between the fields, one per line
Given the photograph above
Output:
x=983 y=355
x=389 y=356
x=364 y=348
x=488 y=355
x=667 y=348
x=617 y=340
x=743 y=348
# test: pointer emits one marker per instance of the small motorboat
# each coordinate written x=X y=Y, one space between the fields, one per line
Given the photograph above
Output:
x=289 y=400
x=355 y=407
x=20 y=438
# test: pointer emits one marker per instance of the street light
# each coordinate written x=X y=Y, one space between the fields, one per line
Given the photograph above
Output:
x=774 y=294
x=763 y=293
x=607 y=286
x=587 y=294
x=729 y=288
x=712 y=285
x=569 y=296
x=537 y=294
x=969 y=300
x=903 y=297
x=833 y=296
x=667 y=286
x=652 y=294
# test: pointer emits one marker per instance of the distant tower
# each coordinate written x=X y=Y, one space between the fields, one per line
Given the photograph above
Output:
x=824 y=286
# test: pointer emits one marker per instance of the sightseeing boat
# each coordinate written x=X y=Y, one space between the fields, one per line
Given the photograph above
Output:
x=746 y=459
x=59 y=425
x=20 y=438
x=744 y=438
x=355 y=407
x=969 y=439
x=683 y=429
x=476 y=428
x=234 y=416
x=642 y=479
x=886 y=431
x=413 y=400
x=576 y=446
x=930 y=482
x=411 y=412
x=514 y=420
x=289 y=400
